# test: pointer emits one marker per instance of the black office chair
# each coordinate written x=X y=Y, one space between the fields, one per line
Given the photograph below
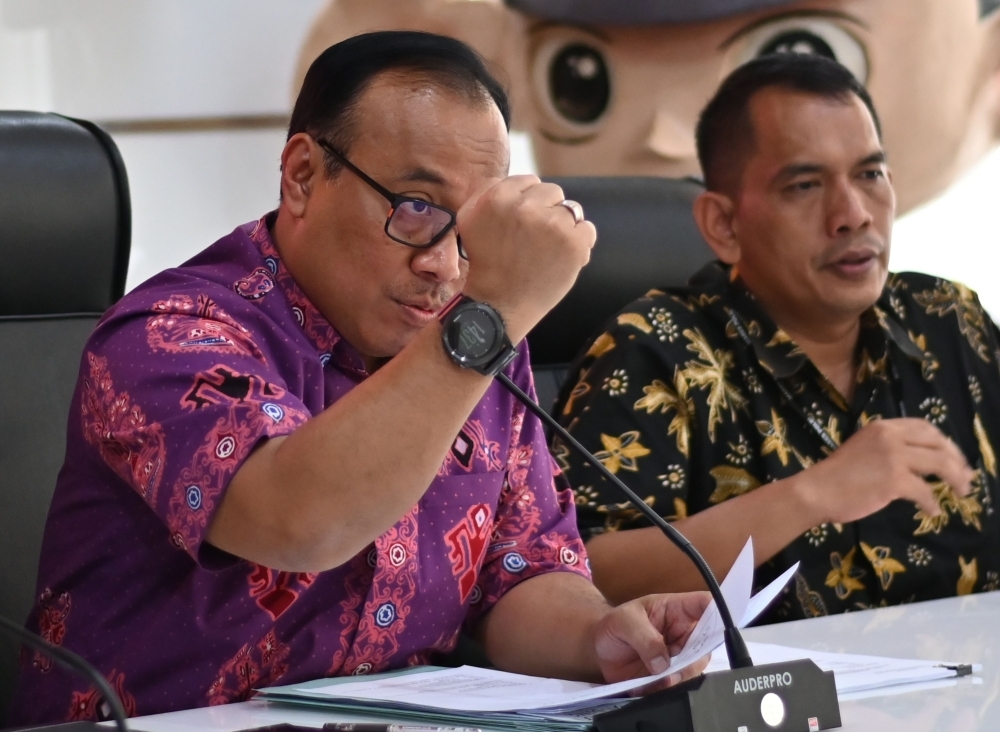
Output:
x=65 y=232
x=646 y=238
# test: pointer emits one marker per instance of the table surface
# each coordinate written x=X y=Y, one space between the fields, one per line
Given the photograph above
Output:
x=961 y=629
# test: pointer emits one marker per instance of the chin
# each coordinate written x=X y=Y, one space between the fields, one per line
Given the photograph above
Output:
x=856 y=301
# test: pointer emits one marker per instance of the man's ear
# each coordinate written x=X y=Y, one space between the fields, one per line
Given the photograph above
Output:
x=713 y=212
x=301 y=169
x=479 y=23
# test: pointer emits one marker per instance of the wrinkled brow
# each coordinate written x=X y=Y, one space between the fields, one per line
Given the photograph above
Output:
x=423 y=175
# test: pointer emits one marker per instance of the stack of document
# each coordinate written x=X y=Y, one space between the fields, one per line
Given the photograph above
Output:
x=470 y=696
x=477 y=697
x=440 y=693
x=855 y=674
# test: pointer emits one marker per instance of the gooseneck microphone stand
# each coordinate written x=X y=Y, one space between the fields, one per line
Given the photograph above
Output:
x=69 y=660
x=791 y=697
x=736 y=648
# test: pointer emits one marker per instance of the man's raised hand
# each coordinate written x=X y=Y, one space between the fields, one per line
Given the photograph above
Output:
x=525 y=249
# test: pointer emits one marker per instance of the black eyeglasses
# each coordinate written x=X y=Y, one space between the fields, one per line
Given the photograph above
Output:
x=411 y=221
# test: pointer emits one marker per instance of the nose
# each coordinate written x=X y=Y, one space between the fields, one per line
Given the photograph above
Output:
x=670 y=137
x=847 y=209
x=439 y=263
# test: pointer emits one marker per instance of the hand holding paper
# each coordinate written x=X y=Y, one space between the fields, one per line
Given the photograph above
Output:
x=482 y=690
x=644 y=634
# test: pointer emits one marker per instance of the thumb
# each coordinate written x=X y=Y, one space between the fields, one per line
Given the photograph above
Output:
x=632 y=633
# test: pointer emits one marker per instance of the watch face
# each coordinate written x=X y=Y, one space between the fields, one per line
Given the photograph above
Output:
x=472 y=334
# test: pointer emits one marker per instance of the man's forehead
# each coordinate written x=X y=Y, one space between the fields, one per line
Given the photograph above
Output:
x=427 y=133
x=641 y=12
x=792 y=127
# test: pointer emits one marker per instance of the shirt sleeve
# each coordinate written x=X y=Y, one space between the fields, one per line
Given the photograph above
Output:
x=629 y=405
x=173 y=400
x=535 y=529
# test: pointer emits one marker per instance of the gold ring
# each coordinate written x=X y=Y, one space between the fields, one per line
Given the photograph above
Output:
x=574 y=208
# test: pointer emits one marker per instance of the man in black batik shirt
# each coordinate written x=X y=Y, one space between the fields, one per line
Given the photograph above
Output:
x=794 y=391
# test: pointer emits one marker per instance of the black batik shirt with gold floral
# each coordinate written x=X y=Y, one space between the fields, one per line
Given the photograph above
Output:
x=677 y=404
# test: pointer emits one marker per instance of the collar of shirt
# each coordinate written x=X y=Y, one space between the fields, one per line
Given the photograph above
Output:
x=775 y=350
x=331 y=348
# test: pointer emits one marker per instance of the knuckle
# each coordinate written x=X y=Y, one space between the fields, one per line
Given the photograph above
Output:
x=554 y=190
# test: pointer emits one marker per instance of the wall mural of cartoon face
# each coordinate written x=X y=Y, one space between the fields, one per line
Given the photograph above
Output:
x=614 y=87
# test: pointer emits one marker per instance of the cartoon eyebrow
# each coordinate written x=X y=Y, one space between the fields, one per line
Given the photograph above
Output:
x=546 y=24
x=792 y=14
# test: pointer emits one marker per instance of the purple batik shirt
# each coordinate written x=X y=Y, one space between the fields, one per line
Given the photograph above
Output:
x=181 y=380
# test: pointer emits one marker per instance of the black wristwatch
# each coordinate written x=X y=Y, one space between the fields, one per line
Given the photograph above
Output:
x=474 y=336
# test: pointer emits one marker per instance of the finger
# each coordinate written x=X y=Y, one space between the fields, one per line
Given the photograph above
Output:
x=685 y=674
x=916 y=431
x=518 y=184
x=690 y=671
x=682 y=614
x=501 y=193
x=919 y=491
x=587 y=233
x=948 y=464
x=545 y=194
x=635 y=630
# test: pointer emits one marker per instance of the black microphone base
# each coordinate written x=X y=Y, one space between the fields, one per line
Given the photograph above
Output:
x=795 y=696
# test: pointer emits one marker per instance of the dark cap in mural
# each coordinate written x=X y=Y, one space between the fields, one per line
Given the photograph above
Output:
x=639 y=12
x=650 y=12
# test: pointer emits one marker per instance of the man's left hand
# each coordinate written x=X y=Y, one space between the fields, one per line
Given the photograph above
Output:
x=639 y=637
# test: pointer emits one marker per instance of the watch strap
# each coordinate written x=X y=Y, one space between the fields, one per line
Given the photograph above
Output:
x=452 y=304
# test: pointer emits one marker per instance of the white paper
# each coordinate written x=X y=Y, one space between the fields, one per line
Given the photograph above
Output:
x=708 y=633
x=759 y=602
x=486 y=690
x=852 y=673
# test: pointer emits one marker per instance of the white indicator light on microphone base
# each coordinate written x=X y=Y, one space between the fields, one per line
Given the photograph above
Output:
x=772 y=709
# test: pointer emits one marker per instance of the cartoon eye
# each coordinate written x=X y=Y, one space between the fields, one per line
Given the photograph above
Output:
x=808 y=36
x=573 y=81
x=578 y=83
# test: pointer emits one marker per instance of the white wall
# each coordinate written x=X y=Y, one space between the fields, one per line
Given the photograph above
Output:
x=957 y=236
x=135 y=60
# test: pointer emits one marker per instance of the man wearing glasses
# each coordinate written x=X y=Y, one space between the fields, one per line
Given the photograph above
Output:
x=287 y=458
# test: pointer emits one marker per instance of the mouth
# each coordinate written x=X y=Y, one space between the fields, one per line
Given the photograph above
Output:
x=855 y=262
x=419 y=312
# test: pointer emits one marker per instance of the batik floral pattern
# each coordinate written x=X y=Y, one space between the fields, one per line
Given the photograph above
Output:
x=134 y=448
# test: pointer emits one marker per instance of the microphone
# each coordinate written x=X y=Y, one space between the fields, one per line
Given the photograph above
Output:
x=69 y=660
x=795 y=696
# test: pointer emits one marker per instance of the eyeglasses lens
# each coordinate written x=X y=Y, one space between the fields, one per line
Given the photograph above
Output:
x=417 y=223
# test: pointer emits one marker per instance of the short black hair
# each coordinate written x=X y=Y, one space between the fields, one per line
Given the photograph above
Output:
x=725 y=133
x=327 y=102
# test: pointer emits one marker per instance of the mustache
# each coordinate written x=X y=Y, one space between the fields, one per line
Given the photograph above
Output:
x=865 y=243
x=439 y=294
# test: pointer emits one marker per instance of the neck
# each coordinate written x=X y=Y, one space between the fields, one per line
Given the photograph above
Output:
x=832 y=347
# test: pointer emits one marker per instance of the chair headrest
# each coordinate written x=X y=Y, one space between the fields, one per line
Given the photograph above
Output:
x=65 y=216
x=646 y=238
